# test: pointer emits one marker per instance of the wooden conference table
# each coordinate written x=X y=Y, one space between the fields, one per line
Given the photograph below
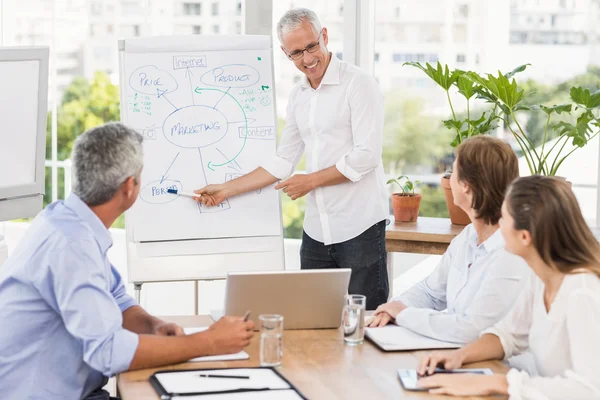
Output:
x=317 y=362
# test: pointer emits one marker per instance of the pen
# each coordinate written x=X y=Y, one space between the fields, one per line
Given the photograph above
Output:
x=187 y=194
x=224 y=376
x=246 y=316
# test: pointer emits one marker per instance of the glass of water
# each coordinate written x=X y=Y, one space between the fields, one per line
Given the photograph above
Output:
x=271 y=340
x=353 y=318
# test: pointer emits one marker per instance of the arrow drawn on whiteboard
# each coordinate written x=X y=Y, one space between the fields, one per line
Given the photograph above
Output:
x=239 y=168
x=210 y=164
x=202 y=164
x=162 y=93
x=227 y=92
x=250 y=121
x=164 y=176
x=188 y=74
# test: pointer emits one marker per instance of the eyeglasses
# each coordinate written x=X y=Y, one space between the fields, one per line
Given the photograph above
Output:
x=311 y=48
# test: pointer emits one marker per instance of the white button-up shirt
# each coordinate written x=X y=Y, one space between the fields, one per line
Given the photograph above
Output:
x=339 y=123
x=565 y=342
x=471 y=289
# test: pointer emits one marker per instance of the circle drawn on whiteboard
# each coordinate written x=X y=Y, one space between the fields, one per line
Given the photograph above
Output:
x=233 y=75
x=152 y=81
x=195 y=127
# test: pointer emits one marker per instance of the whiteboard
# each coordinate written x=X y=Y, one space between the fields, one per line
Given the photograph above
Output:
x=205 y=106
x=23 y=101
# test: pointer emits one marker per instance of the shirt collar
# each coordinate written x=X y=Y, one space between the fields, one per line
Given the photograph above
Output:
x=102 y=235
x=492 y=243
x=332 y=74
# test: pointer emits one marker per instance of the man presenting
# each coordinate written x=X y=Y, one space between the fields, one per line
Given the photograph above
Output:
x=66 y=322
x=335 y=115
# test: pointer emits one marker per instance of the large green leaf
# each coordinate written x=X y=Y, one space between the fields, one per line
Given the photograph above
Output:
x=585 y=98
x=559 y=109
x=453 y=124
x=580 y=132
x=498 y=89
x=440 y=75
x=466 y=87
x=518 y=69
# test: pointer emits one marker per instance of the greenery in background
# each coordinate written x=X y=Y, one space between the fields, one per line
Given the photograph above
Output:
x=410 y=138
x=433 y=202
x=553 y=94
x=470 y=90
x=508 y=96
x=84 y=105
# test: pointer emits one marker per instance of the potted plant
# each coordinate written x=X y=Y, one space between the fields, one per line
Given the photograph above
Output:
x=465 y=127
x=506 y=96
x=405 y=203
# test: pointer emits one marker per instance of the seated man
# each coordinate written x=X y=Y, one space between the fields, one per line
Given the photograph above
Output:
x=67 y=322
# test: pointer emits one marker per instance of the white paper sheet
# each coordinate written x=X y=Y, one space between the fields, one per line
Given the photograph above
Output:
x=242 y=355
x=191 y=382
x=394 y=337
x=270 y=395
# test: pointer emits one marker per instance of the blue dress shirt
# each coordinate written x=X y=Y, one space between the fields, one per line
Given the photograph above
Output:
x=61 y=305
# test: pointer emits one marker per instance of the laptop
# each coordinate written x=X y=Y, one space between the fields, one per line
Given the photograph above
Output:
x=307 y=299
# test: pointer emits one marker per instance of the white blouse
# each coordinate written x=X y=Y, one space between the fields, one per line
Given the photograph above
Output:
x=565 y=342
x=472 y=288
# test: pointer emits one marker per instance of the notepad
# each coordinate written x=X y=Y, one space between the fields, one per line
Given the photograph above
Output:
x=263 y=383
x=396 y=338
x=242 y=355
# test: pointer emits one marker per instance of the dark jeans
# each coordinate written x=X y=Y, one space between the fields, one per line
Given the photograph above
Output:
x=365 y=255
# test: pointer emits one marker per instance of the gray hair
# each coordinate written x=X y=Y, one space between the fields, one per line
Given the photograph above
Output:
x=103 y=158
x=294 y=18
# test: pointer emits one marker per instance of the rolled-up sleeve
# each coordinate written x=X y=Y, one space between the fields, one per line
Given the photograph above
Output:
x=90 y=312
x=367 y=114
x=291 y=145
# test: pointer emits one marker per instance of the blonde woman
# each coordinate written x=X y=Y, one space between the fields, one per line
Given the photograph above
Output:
x=477 y=281
x=557 y=317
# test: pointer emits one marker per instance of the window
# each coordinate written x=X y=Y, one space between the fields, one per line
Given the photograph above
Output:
x=136 y=30
x=197 y=29
x=216 y=29
x=192 y=8
x=238 y=27
x=548 y=39
x=238 y=9
x=215 y=8
x=96 y=8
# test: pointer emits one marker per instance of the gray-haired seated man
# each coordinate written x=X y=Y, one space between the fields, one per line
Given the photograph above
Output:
x=66 y=321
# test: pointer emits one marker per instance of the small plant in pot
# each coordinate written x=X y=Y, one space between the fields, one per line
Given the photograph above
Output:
x=405 y=203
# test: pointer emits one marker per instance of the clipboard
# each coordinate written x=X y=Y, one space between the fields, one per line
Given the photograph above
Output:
x=264 y=381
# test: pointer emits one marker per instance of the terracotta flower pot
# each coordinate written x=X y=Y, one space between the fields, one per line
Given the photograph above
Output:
x=406 y=207
x=457 y=215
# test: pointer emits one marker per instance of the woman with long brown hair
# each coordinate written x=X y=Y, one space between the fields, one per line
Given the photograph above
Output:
x=476 y=282
x=557 y=317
